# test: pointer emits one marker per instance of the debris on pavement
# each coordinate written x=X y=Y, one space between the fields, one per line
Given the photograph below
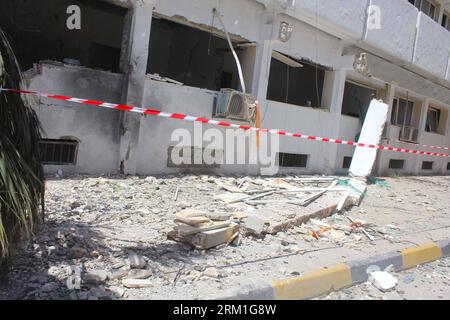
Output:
x=382 y=280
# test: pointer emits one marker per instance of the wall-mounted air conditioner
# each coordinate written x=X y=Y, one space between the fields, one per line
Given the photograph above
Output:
x=409 y=134
x=234 y=104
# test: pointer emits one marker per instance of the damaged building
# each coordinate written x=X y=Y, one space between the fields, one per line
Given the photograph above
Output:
x=313 y=66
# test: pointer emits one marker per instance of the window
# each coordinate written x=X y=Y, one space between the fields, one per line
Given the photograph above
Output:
x=396 y=164
x=446 y=21
x=292 y=160
x=295 y=82
x=427 y=165
x=38 y=31
x=192 y=56
x=402 y=111
x=425 y=6
x=346 y=162
x=448 y=166
x=58 y=152
x=357 y=99
x=433 y=118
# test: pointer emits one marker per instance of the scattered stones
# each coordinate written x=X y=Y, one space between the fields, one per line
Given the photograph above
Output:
x=211 y=272
x=136 y=261
x=118 y=274
x=95 y=276
x=139 y=274
x=137 y=283
x=77 y=252
x=117 y=291
x=95 y=254
x=253 y=225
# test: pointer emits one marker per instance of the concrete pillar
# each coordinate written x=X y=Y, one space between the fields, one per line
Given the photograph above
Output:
x=335 y=96
x=422 y=123
x=447 y=138
x=440 y=13
x=389 y=100
x=135 y=67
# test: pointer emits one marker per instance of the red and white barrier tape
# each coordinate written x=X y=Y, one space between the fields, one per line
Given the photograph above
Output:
x=425 y=146
x=178 y=116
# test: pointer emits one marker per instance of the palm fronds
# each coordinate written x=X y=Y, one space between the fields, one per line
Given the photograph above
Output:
x=21 y=173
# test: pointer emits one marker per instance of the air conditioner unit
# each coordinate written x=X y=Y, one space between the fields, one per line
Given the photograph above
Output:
x=409 y=134
x=233 y=104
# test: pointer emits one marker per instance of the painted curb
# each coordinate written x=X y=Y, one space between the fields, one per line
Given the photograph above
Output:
x=325 y=280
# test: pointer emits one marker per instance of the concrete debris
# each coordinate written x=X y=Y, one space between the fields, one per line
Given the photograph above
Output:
x=139 y=274
x=211 y=272
x=364 y=158
x=95 y=276
x=136 y=261
x=197 y=229
x=383 y=280
x=77 y=252
x=252 y=225
x=137 y=283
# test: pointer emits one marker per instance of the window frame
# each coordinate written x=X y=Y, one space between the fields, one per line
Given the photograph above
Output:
x=395 y=107
x=55 y=142
x=438 y=113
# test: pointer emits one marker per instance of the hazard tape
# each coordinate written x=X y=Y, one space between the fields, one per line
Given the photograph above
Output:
x=425 y=145
x=178 y=116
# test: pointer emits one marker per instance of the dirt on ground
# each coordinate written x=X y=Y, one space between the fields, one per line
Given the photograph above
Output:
x=105 y=237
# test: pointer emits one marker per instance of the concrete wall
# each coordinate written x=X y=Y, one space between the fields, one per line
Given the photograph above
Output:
x=96 y=129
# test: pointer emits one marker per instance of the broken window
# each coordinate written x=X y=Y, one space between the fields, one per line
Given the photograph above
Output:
x=402 y=112
x=292 y=160
x=357 y=99
x=295 y=82
x=38 y=31
x=427 y=165
x=433 y=118
x=425 y=6
x=191 y=56
x=396 y=164
x=346 y=162
x=58 y=152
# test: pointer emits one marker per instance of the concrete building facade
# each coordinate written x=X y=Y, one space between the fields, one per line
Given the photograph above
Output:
x=172 y=55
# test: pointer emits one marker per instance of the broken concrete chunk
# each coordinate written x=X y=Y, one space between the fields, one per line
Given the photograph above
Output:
x=218 y=216
x=371 y=132
x=95 y=276
x=139 y=274
x=334 y=235
x=228 y=186
x=231 y=197
x=137 y=283
x=136 y=261
x=210 y=239
x=185 y=230
x=192 y=221
x=382 y=280
x=253 y=226
x=212 y=273
x=118 y=274
x=280 y=183
x=77 y=252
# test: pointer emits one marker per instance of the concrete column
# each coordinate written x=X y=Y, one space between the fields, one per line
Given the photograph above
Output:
x=441 y=13
x=335 y=96
x=422 y=123
x=389 y=100
x=447 y=138
x=135 y=67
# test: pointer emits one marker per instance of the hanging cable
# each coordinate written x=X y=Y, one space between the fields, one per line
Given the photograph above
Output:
x=236 y=58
